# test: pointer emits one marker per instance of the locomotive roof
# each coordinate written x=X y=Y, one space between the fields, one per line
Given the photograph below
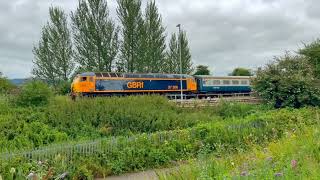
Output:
x=222 y=77
x=135 y=75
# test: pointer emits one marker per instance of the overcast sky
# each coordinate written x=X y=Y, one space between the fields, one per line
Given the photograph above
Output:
x=223 y=34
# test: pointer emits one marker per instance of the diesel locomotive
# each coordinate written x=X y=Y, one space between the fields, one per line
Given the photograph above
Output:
x=109 y=84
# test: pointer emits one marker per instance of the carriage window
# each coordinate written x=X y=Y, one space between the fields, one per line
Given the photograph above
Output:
x=216 y=82
x=244 y=82
x=83 y=79
x=91 y=79
x=235 y=82
x=226 y=82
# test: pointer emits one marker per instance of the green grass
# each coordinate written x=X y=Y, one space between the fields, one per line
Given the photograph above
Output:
x=295 y=156
x=216 y=133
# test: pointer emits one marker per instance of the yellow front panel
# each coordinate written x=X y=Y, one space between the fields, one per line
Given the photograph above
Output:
x=191 y=84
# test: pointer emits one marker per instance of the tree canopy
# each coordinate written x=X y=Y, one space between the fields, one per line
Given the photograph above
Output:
x=172 y=63
x=132 y=50
x=95 y=36
x=155 y=39
x=96 y=43
x=53 y=55
x=202 y=70
x=241 y=72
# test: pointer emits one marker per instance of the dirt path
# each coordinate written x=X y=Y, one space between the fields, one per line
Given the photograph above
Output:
x=145 y=175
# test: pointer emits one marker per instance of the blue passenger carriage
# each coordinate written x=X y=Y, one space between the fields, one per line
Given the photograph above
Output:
x=223 y=85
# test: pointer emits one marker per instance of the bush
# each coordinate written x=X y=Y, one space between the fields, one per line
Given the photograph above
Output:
x=113 y=116
x=63 y=88
x=34 y=93
x=5 y=85
x=288 y=82
x=238 y=110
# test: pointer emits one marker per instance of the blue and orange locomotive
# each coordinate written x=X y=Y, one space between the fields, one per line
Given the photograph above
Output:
x=108 y=84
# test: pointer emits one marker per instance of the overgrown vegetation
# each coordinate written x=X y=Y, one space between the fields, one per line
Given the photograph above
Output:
x=34 y=93
x=289 y=81
x=149 y=132
x=163 y=133
x=295 y=156
x=5 y=85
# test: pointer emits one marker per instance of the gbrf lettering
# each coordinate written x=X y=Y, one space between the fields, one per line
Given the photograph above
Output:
x=135 y=85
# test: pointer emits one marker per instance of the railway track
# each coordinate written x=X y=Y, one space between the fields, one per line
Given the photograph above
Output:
x=191 y=103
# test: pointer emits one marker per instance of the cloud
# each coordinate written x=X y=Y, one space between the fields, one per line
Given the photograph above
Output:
x=222 y=34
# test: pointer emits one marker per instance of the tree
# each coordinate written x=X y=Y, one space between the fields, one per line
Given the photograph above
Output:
x=312 y=51
x=241 y=72
x=172 y=56
x=155 y=37
x=185 y=54
x=133 y=55
x=202 y=70
x=172 y=63
x=288 y=81
x=95 y=36
x=53 y=55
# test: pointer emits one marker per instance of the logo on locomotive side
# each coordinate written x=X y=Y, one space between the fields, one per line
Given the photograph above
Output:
x=135 y=85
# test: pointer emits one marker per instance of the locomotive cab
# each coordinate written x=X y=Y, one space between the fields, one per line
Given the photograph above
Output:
x=83 y=83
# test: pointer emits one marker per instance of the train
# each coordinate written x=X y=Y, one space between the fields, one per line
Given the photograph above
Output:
x=170 y=85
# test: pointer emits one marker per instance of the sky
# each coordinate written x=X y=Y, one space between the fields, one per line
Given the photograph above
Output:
x=223 y=34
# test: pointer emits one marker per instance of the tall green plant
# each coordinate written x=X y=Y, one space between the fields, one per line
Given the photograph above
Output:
x=133 y=44
x=53 y=55
x=95 y=36
x=173 y=55
x=155 y=37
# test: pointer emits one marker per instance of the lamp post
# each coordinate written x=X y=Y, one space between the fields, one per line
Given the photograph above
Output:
x=179 y=39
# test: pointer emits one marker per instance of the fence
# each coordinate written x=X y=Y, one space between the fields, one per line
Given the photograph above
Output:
x=105 y=145
x=111 y=145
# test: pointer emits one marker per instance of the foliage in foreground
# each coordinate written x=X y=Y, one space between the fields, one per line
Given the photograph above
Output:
x=288 y=82
x=229 y=136
x=65 y=120
x=296 y=156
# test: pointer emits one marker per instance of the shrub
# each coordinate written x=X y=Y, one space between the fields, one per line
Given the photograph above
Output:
x=63 y=88
x=238 y=110
x=34 y=93
x=134 y=114
x=5 y=85
x=288 y=82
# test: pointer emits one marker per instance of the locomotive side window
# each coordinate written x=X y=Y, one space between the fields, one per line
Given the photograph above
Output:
x=83 y=79
x=235 y=82
x=244 y=82
x=226 y=82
